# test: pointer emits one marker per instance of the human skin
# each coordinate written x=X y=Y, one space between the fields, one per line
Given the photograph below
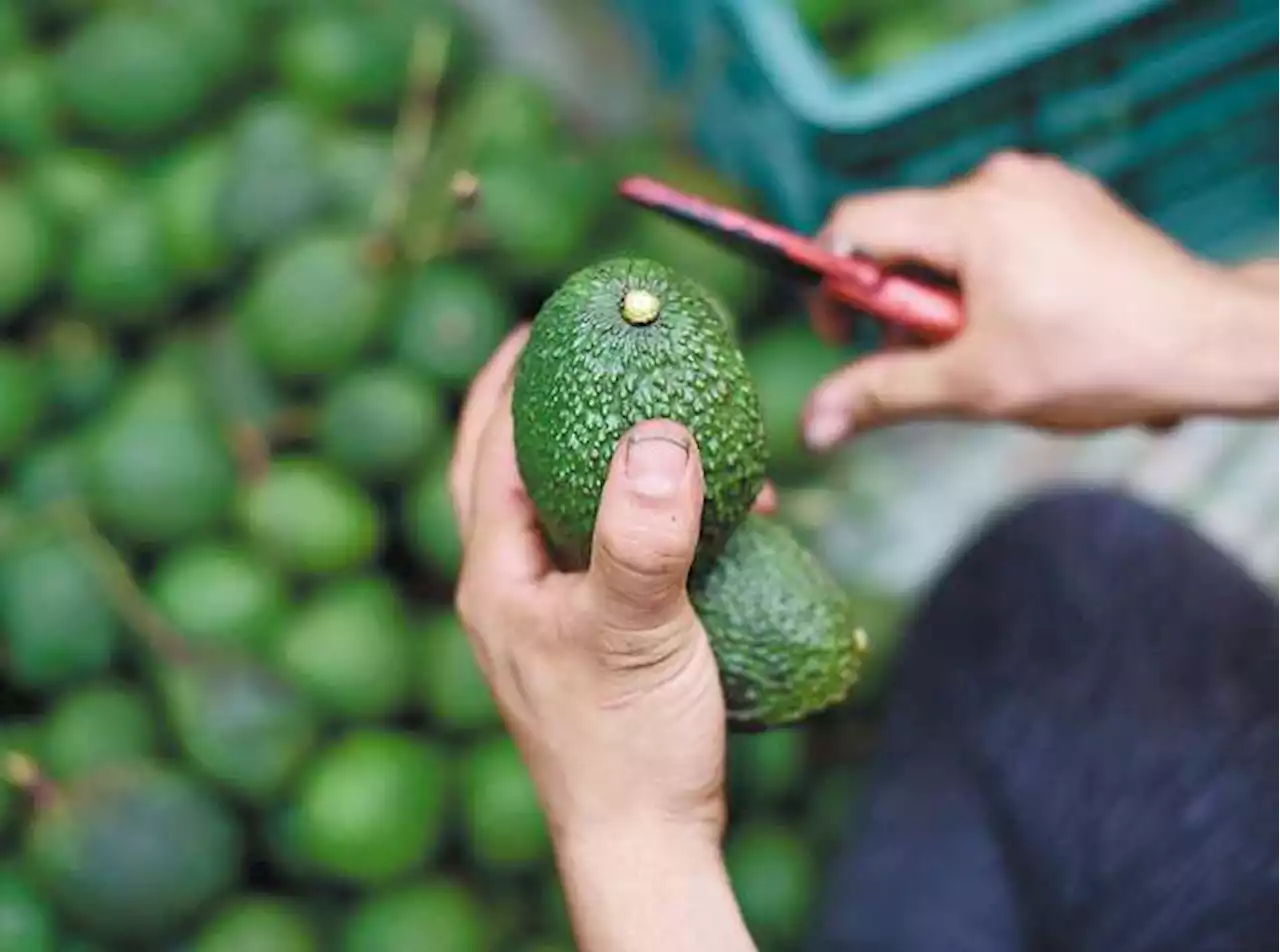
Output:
x=1080 y=316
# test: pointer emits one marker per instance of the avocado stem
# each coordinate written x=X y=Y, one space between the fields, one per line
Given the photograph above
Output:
x=464 y=187
x=23 y=772
x=410 y=143
x=123 y=589
x=640 y=307
x=251 y=449
x=860 y=640
x=252 y=444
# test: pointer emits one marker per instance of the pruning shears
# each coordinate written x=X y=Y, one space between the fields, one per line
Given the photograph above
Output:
x=930 y=312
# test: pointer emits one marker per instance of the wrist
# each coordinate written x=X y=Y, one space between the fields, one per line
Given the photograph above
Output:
x=627 y=840
x=642 y=887
x=583 y=812
x=1230 y=362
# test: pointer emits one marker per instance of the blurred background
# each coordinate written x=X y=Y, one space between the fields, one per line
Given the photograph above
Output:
x=252 y=252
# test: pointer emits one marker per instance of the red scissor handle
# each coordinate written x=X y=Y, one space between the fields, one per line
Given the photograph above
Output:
x=929 y=313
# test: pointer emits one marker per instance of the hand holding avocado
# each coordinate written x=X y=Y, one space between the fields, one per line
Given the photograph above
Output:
x=1080 y=316
x=605 y=677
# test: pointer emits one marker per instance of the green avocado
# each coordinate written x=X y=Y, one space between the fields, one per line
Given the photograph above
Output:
x=372 y=806
x=341 y=61
x=104 y=722
x=310 y=518
x=28 y=106
x=619 y=342
x=428 y=915
x=450 y=682
x=221 y=33
x=120 y=271
x=427 y=522
x=504 y=827
x=82 y=367
x=357 y=164
x=28 y=244
x=51 y=472
x=379 y=421
x=782 y=629
x=240 y=725
x=313 y=307
x=219 y=594
x=188 y=191
x=56 y=623
x=27 y=924
x=130 y=853
x=275 y=183
x=349 y=650
x=775 y=877
x=452 y=316
x=22 y=400
x=131 y=75
x=257 y=923
x=159 y=473
x=72 y=184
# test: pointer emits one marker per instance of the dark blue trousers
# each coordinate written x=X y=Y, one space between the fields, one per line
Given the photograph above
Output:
x=1080 y=751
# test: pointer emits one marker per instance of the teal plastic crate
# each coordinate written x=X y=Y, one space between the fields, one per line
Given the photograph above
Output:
x=1172 y=102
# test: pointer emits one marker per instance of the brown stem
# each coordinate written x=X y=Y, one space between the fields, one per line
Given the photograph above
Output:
x=295 y=423
x=411 y=141
x=23 y=772
x=123 y=589
x=251 y=449
x=252 y=444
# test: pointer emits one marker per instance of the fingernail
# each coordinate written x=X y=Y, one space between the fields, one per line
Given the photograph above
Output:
x=655 y=463
x=825 y=428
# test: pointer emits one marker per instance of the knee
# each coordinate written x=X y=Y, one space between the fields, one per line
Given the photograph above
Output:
x=1046 y=566
x=1082 y=527
x=1076 y=521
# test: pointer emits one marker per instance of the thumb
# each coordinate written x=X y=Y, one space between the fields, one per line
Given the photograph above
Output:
x=879 y=389
x=647 y=527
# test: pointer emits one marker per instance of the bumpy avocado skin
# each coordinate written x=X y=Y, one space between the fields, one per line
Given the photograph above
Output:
x=587 y=375
x=782 y=629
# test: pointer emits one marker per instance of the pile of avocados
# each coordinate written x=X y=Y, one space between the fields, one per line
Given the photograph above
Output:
x=252 y=253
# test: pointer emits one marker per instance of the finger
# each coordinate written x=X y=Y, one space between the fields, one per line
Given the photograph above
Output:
x=879 y=389
x=767 y=502
x=1264 y=273
x=647 y=528
x=896 y=337
x=829 y=320
x=912 y=224
x=1162 y=425
x=482 y=397
x=500 y=534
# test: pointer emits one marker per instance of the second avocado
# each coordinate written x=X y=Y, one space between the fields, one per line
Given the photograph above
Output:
x=619 y=342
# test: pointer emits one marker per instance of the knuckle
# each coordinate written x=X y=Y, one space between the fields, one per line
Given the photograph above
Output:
x=874 y=401
x=627 y=651
x=991 y=395
x=845 y=208
x=1012 y=169
x=1005 y=164
x=877 y=392
x=468 y=603
x=654 y=553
